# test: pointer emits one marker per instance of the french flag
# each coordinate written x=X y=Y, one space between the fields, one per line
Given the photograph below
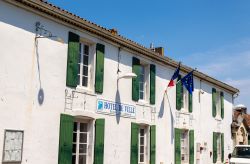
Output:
x=175 y=76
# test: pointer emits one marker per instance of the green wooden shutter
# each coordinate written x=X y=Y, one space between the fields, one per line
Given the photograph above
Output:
x=152 y=144
x=152 y=84
x=222 y=147
x=191 y=147
x=73 y=59
x=135 y=81
x=190 y=102
x=65 y=139
x=99 y=71
x=99 y=141
x=179 y=94
x=222 y=104
x=177 y=143
x=214 y=102
x=214 y=147
x=134 y=143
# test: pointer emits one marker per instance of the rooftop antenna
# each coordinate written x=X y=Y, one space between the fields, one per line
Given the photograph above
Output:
x=151 y=46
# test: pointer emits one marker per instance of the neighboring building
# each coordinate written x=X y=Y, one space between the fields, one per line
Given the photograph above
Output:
x=240 y=125
x=66 y=96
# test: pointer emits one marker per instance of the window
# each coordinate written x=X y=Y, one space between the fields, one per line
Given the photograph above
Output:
x=13 y=145
x=185 y=99
x=218 y=103
x=241 y=152
x=80 y=152
x=218 y=147
x=84 y=65
x=184 y=147
x=143 y=145
x=143 y=82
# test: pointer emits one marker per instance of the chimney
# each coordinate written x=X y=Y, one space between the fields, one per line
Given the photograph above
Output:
x=114 y=31
x=159 y=50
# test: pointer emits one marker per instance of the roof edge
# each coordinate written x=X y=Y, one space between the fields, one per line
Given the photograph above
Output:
x=78 y=22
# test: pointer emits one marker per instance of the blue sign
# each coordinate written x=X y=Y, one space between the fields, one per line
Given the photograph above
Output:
x=109 y=107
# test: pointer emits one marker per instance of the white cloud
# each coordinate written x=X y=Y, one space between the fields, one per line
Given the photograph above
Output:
x=230 y=64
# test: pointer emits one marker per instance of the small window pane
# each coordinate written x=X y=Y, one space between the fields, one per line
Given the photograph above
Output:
x=83 y=127
x=141 y=132
x=85 y=71
x=142 y=141
x=82 y=159
x=85 y=81
x=74 y=148
x=141 y=86
x=141 y=157
x=83 y=148
x=142 y=149
x=83 y=137
x=79 y=79
x=86 y=49
x=73 y=159
x=141 y=95
x=75 y=126
x=85 y=60
x=74 y=137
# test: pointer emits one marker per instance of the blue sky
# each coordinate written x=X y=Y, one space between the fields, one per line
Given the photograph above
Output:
x=211 y=35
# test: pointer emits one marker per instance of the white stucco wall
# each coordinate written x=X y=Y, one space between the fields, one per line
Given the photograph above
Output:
x=23 y=72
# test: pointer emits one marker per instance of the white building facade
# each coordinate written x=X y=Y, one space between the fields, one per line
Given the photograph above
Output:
x=65 y=97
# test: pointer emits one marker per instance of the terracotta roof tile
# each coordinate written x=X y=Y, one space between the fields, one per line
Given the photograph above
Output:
x=247 y=119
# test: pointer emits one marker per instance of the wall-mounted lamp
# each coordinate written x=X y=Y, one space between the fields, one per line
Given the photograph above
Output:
x=127 y=76
x=41 y=32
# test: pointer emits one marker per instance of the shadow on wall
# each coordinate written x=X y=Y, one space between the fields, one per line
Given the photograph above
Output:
x=27 y=28
x=40 y=95
x=161 y=113
x=117 y=100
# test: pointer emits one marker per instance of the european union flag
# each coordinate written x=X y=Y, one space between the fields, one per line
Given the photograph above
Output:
x=188 y=82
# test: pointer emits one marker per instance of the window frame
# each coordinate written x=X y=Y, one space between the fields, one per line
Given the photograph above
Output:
x=90 y=140
x=219 y=148
x=185 y=147
x=146 y=144
x=91 y=65
x=218 y=103
x=185 y=103
x=146 y=81
x=3 y=155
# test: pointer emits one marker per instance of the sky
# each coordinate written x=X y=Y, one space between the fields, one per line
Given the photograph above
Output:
x=210 y=35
